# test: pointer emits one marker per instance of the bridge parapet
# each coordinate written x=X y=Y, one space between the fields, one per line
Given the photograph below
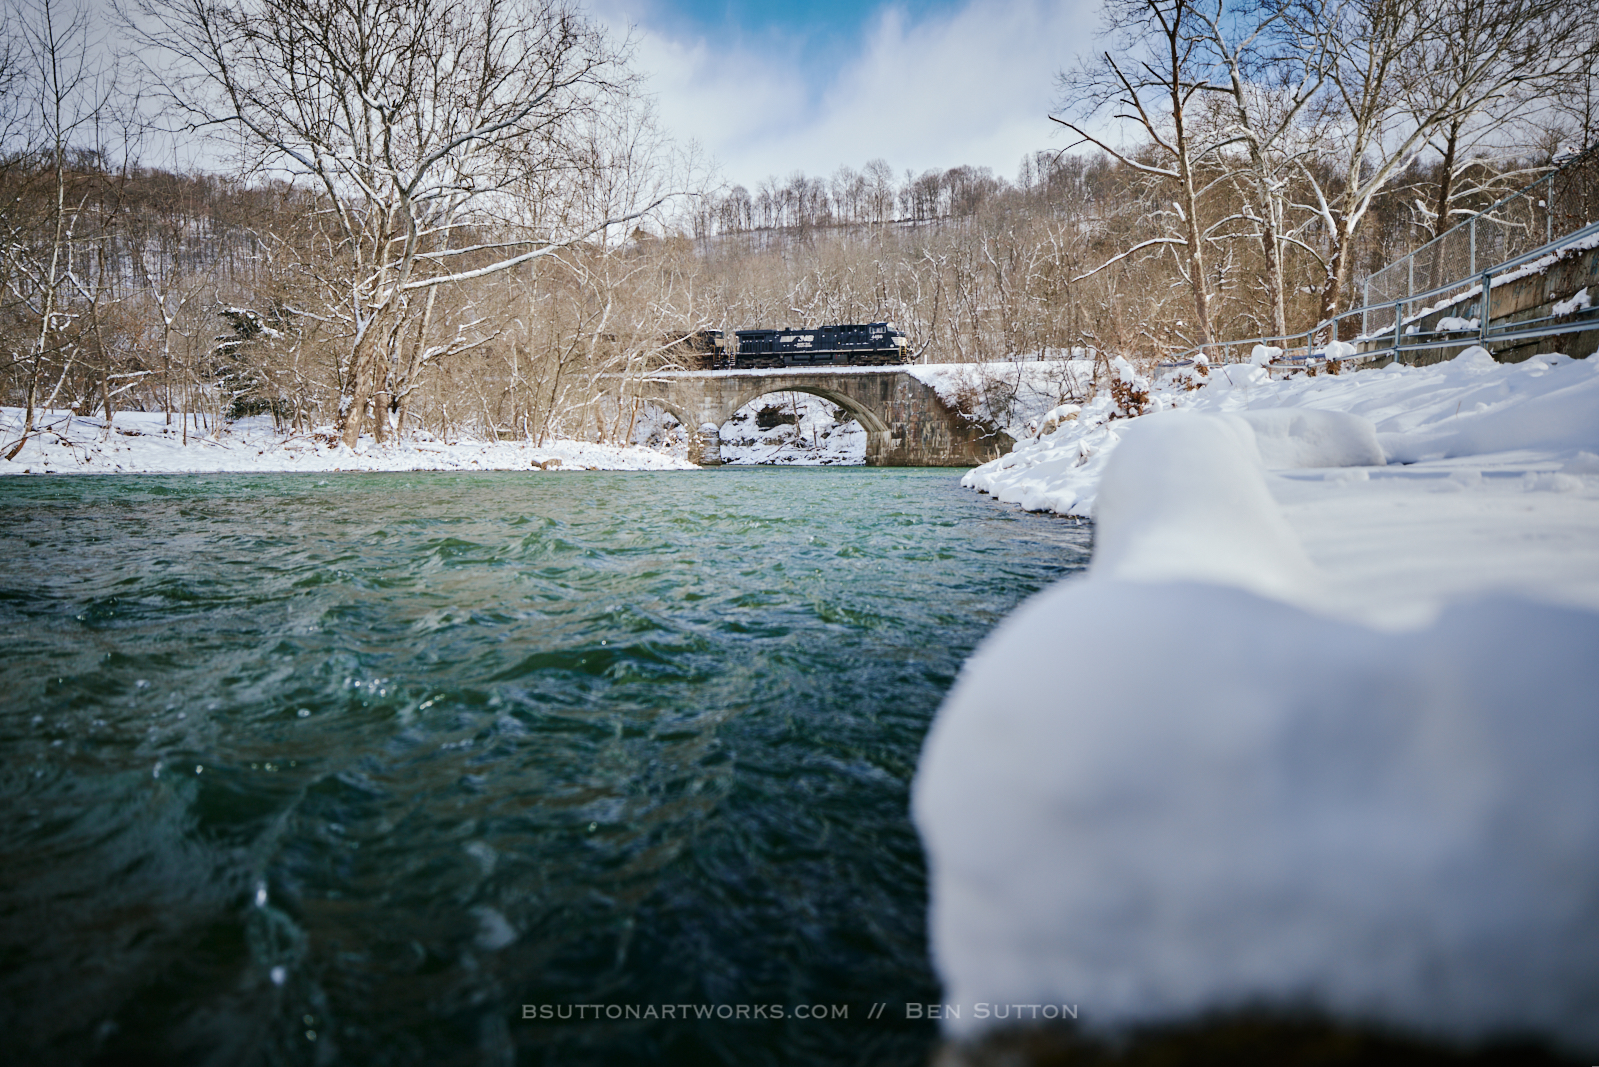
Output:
x=907 y=423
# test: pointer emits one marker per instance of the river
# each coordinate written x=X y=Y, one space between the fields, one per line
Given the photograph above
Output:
x=366 y=768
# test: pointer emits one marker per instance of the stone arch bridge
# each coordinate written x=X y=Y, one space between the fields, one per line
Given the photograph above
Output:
x=906 y=422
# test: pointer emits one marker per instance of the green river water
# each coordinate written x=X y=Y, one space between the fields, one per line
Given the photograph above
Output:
x=361 y=768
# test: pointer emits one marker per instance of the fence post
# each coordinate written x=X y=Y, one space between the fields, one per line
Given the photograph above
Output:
x=1472 y=232
x=1410 y=285
x=1365 y=307
x=1399 y=325
x=1484 y=307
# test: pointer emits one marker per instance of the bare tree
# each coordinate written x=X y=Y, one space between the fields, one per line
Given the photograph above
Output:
x=879 y=191
x=1389 y=95
x=1153 y=86
x=64 y=93
x=1515 y=50
x=1263 y=80
x=424 y=124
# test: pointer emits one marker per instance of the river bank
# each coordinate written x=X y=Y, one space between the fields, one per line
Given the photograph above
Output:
x=140 y=442
x=779 y=428
x=1405 y=487
x=1315 y=733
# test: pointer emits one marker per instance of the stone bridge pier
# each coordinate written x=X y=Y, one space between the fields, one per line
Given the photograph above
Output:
x=906 y=422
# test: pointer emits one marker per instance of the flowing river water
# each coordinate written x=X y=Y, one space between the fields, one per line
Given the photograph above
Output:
x=368 y=768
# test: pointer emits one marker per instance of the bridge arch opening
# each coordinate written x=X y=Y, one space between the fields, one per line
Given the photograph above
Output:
x=783 y=426
x=663 y=425
x=870 y=420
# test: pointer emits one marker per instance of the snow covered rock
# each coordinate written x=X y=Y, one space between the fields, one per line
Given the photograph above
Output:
x=1579 y=301
x=1057 y=417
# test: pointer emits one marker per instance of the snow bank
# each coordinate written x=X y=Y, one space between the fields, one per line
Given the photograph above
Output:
x=1289 y=438
x=142 y=443
x=1548 y=405
x=1314 y=731
x=1156 y=801
x=1059 y=472
x=1545 y=409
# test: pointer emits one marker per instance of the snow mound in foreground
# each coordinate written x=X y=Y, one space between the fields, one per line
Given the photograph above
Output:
x=1171 y=788
x=1183 y=497
x=1233 y=802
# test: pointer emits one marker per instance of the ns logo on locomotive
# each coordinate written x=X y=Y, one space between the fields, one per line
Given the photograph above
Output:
x=868 y=345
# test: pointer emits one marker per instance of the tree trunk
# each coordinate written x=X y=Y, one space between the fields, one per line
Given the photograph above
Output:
x=1446 y=193
x=352 y=408
x=1271 y=249
x=1446 y=182
x=1332 y=293
x=1190 y=206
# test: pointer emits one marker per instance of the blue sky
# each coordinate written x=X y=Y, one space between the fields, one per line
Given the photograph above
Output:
x=818 y=36
x=806 y=17
x=770 y=88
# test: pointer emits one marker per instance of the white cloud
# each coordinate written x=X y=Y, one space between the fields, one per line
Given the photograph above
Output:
x=974 y=86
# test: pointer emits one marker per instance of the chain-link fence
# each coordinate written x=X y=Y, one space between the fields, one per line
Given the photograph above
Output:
x=1559 y=203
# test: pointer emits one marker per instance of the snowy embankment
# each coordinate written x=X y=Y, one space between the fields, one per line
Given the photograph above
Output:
x=1318 y=729
x=1015 y=395
x=143 y=443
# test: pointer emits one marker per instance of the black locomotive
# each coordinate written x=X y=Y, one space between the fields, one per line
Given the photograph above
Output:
x=871 y=344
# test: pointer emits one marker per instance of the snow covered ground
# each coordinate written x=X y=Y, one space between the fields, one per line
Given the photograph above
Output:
x=1406 y=486
x=143 y=443
x=1320 y=727
x=1014 y=395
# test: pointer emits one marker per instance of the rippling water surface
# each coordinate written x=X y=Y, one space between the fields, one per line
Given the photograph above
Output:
x=351 y=769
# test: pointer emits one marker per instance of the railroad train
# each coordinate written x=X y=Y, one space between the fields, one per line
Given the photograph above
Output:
x=870 y=344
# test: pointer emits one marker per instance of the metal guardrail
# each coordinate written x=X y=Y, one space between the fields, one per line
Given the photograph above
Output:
x=1301 y=348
